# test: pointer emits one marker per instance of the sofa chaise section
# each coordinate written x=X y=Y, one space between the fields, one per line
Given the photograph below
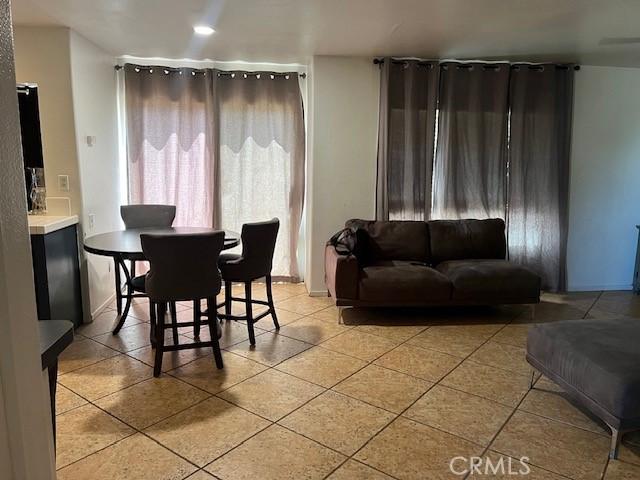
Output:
x=597 y=363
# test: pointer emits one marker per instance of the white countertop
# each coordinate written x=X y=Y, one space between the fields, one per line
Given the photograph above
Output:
x=43 y=224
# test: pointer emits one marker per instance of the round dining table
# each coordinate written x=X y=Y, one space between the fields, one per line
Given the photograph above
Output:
x=124 y=245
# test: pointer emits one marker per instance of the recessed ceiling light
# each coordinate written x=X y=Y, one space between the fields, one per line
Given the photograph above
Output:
x=203 y=30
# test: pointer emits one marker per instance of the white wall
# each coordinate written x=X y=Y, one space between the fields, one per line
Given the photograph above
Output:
x=42 y=56
x=605 y=178
x=93 y=84
x=342 y=152
x=77 y=93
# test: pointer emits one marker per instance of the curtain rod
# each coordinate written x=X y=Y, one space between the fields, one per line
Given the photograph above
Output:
x=232 y=73
x=533 y=66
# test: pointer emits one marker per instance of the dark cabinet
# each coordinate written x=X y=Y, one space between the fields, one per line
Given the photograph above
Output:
x=636 y=272
x=56 y=274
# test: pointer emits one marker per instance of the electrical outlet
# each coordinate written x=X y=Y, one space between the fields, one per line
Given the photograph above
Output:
x=63 y=183
x=92 y=221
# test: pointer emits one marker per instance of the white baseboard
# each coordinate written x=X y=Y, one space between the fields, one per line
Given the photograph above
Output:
x=318 y=293
x=593 y=288
x=102 y=306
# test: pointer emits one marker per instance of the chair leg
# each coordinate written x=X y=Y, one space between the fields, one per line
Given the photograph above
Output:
x=197 y=316
x=152 y=322
x=616 y=437
x=227 y=297
x=157 y=364
x=249 y=310
x=272 y=308
x=133 y=268
x=212 y=321
x=174 y=322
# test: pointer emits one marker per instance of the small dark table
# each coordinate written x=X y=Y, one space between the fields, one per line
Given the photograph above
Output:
x=125 y=245
x=55 y=336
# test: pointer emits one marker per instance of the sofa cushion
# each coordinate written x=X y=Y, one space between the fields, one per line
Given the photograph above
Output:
x=490 y=280
x=598 y=359
x=462 y=239
x=397 y=282
x=393 y=240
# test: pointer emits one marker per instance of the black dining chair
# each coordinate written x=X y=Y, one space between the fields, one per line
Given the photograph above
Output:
x=255 y=262
x=145 y=216
x=183 y=267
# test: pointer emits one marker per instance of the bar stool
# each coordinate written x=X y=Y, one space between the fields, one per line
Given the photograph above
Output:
x=179 y=272
x=258 y=245
x=145 y=216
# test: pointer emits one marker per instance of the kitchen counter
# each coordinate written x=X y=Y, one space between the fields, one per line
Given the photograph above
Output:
x=43 y=224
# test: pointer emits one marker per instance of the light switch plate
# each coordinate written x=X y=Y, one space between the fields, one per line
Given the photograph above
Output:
x=63 y=183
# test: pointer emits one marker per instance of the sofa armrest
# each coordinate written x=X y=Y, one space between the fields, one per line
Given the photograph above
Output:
x=341 y=274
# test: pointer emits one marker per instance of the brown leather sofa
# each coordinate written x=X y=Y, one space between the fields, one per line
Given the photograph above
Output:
x=434 y=263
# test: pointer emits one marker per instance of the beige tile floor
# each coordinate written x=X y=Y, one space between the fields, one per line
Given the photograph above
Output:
x=382 y=395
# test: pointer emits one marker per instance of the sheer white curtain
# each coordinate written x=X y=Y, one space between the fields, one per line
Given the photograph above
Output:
x=262 y=158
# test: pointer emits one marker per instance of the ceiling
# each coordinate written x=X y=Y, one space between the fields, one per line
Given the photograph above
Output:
x=293 y=30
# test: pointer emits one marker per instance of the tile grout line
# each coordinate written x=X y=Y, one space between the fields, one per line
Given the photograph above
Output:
x=271 y=422
x=58 y=469
x=504 y=424
x=136 y=430
x=400 y=415
x=325 y=389
x=516 y=409
x=311 y=399
x=397 y=415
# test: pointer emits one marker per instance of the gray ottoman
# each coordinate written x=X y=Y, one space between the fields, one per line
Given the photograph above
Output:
x=597 y=362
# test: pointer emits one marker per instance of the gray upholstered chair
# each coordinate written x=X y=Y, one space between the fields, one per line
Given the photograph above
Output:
x=255 y=262
x=183 y=267
x=141 y=217
x=147 y=216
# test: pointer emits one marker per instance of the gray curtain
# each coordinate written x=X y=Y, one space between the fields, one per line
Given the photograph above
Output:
x=469 y=178
x=224 y=149
x=408 y=95
x=171 y=141
x=541 y=105
x=262 y=157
